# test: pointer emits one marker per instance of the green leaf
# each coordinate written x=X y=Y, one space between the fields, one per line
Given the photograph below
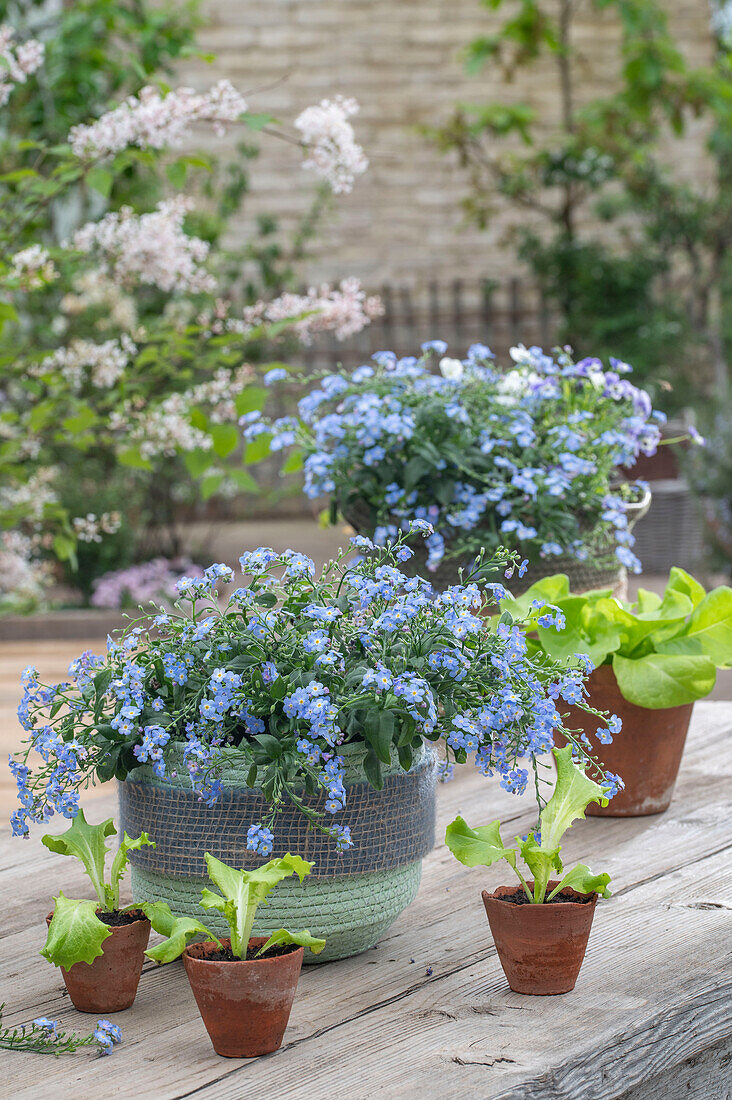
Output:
x=661 y=680
x=258 y=448
x=131 y=457
x=481 y=847
x=225 y=438
x=244 y=891
x=197 y=461
x=379 y=732
x=293 y=464
x=121 y=859
x=681 y=581
x=80 y=421
x=541 y=861
x=582 y=879
x=75 y=933
x=87 y=843
x=211 y=485
x=372 y=769
x=176 y=172
x=244 y=481
x=100 y=179
x=572 y=795
x=251 y=398
x=302 y=939
x=708 y=631
x=179 y=931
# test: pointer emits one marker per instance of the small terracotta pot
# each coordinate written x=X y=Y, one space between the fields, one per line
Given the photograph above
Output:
x=245 y=1005
x=540 y=947
x=646 y=754
x=109 y=984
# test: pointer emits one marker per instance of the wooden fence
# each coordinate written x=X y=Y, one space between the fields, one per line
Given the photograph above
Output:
x=458 y=312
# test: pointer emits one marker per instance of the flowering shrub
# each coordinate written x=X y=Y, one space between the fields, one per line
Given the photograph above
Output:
x=140 y=584
x=529 y=456
x=288 y=670
x=127 y=339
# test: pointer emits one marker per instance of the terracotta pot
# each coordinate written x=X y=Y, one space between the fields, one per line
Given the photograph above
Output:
x=245 y=1005
x=646 y=754
x=109 y=984
x=540 y=947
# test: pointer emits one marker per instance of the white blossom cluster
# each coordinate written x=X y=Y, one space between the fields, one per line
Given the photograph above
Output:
x=91 y=528
x=17 y=62
x=149 y=248
x=219 y=394
x=165 y=429
x=105 y=362
x=23 y=577
x=333 y=153
x=161 y=430
x=155 y=121
x=32 y=267
x=343 y=310
x=31 y=496
x=94 y=290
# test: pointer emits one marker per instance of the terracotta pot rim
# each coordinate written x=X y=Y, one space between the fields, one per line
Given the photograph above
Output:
x=487 y=895
x=114 y=927
x=255 y=941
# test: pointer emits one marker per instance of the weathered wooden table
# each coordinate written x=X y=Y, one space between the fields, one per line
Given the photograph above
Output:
x=428 y=1013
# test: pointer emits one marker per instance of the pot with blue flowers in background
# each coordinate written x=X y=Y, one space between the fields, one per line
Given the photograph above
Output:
x=652 y=661
x=532 y=457
x=297 y=715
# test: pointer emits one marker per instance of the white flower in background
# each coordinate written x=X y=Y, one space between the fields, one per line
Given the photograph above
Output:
x=32 y=496
x=91 y=528
x=332 y=150
x=22 y=577
x=149 y=248
x=105 y=362
x=32 y=267
x=451 y=369
x=521 y=354
x=94 y=290
x=155 y=121
x=18 y=62
x=343 y=310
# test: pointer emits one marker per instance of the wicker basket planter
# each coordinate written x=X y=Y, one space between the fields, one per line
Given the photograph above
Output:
x=600 y=572
x=350 y=898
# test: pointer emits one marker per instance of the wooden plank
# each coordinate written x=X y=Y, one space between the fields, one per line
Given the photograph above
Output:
x=337 y=996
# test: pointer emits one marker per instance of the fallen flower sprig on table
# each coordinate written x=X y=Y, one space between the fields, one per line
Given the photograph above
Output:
x=44 y=1036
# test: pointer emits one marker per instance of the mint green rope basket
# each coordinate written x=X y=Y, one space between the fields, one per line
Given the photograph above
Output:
x=351 y=910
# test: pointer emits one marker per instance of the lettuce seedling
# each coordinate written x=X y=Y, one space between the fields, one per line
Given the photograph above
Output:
x=242 y=892
x=540 y=850
x=76 y=933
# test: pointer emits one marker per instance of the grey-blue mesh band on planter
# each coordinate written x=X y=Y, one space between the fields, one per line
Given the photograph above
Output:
x=390 y=828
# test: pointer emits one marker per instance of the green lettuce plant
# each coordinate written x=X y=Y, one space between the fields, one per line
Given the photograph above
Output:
x=77 y=930
x=242 y=892
x=540 y=849
x=664 y=650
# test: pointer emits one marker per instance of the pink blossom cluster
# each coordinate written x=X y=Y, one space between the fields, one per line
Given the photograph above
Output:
x=343 y=310
x=149 y=248
x=32 y=267
x=105 y=362
x=139 y=584
x=18 y=61
x=333 y=153
x=155 y=121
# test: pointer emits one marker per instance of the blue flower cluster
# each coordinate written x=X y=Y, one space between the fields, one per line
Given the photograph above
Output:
x=287 y=671
x=530 y=457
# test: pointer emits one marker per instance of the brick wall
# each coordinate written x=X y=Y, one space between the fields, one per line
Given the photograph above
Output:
x=401 y=60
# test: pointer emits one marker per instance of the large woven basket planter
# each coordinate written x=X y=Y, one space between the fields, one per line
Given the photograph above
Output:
x=351 y=898
x=583 y=575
